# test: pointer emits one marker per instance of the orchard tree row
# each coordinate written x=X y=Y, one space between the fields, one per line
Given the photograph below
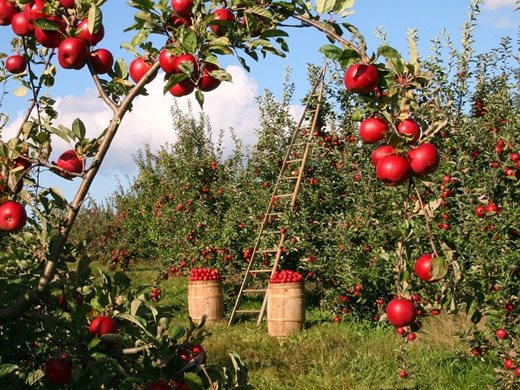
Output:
x=385 y=218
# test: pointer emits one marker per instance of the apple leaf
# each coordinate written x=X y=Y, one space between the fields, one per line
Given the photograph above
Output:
x=78 y=129
x=200 y=98
x=35 y=376
x=412 y=45
x=45 y=24
x=261 y=11
x=331 y=51
x=439 y=268
x=325 y=6
x=274 y=33
x=175 y=78
x=175 y=331
x=134 y=306
x=95 y=18
x=388 y=52
x=6 y=369
x=342 y=6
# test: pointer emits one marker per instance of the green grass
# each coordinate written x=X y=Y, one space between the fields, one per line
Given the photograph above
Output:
x=350 y=355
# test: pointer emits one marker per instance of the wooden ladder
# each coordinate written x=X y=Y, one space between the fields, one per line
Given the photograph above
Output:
x=285 y=190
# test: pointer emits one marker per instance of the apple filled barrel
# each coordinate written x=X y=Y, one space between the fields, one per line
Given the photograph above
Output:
x=285 y=303
x=205 y=295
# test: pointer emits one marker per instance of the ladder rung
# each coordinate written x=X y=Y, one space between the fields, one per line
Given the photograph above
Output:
x=270 y=250
x=254 y=290
x=247 y=311
x=260 y=270
x=285 y=195
x=299 y=144
x=274 y=214
x=289 y=177
x=293 y=161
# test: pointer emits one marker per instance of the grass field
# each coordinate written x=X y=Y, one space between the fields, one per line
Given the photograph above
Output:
x=349 y=355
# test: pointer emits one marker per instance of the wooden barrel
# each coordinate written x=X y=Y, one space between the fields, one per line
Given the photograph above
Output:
x=285 y=308
x=206 y=297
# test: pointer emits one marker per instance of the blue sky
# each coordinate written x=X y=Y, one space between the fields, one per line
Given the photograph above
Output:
x=234 y=105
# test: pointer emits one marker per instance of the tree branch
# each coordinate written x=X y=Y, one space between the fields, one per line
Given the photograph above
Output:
x=23 y=303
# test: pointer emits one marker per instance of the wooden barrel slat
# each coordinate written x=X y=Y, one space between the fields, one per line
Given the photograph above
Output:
x=285 y=308
x=206 y=297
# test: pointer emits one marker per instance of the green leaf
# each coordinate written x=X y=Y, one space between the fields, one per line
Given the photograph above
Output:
x=121 y=68
x=260 y=11
x=439 y=268
x=193 y=381
x=175 y=78
x=134 y=306
x=325 y=6
x=200 y=98
x=78 y=129
x=331 y=51
x=343 y=5
x=45 y=24
x=6 y=369
x=35 y=376
x=141 y=323
x=175 y=331
x=95 y=18
x=388 y=52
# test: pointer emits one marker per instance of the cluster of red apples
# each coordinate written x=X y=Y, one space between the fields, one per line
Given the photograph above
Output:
x=74 y=39
x=286 y=276
x=56 y=28
x=204 y=274
x=393 y=163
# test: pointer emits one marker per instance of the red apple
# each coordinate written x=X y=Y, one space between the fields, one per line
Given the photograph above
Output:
x=7 y=11
x=380 y=152
x=480 y=211
x=58 y=370
x=361 y=78
x=393 y=170
x=159 y=385
x=181 y=20
x=410 y=128
x=182 y=7
x=70 y=162
x=16 y=63
x=72 y=53
x=90 y=39
x=423 y=267
x=222 y=18
x=508 y=364
x=206 y=81
x=34 y=10
x=183 y=61
x=424 y=159
x=13 y=216
x=51 y=38
x=102 y=325
x=167 y=61
x=185 y=87
x=67 y=3
x=138 y=68
x=21 y=25
x=101 y=61
x=372 y=130
x=400 y=312
x=501 y=333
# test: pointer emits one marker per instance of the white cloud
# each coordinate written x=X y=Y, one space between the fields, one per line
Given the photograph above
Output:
x=496 y=4
x=230 y=105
